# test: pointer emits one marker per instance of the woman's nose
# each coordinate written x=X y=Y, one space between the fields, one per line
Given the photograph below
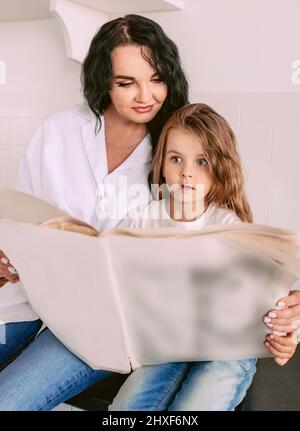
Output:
x=143 y=95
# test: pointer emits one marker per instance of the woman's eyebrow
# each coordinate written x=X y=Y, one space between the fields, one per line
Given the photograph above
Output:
x=124 y=77
x=131 y=78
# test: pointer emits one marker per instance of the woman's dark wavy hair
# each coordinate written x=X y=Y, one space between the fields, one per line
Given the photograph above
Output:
x=96 y=75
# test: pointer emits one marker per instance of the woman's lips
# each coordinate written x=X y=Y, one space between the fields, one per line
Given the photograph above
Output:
x=144 y=109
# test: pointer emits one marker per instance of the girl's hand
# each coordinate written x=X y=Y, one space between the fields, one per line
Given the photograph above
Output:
x=7 y=271
x=285 y=318
x=282 y=347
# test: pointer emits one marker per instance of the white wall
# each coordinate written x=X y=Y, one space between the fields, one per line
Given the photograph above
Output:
x=238 y=57
x=40 y=80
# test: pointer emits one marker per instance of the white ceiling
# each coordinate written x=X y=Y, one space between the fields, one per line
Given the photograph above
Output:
x=24 y=10
x=132 y=6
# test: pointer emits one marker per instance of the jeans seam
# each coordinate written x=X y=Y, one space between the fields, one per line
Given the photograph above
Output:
x=65 y=389
x=248 y=375
x=169 y=387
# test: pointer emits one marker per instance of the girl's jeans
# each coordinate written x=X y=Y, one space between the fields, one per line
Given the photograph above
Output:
x=210 y=385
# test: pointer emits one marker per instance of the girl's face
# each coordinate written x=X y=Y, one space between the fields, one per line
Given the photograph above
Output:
x=137 y=93
x=185 y=167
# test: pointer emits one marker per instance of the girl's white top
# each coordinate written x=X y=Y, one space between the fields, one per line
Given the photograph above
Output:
x=156 y=214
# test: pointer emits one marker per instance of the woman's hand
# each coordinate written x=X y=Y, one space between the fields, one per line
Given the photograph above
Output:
x=284 y=319
x=282 y=347
x=7 y=271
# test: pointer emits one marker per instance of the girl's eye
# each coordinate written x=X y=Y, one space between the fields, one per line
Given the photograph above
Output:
x=202 y=162
x=157 y=80
x=176 y=159
x=121 y=84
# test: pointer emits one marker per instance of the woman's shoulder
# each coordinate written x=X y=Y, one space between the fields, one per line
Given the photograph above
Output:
x=80 y=114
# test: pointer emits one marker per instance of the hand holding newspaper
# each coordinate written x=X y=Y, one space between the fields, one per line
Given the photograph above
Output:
x=125 y=298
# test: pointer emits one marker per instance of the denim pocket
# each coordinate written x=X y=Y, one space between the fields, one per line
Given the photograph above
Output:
x=248 y=364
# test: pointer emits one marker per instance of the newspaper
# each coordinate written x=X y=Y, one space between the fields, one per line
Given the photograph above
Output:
x=124 y=298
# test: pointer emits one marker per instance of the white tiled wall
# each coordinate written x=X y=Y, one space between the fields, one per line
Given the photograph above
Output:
x=40 y=80
x=267 y=126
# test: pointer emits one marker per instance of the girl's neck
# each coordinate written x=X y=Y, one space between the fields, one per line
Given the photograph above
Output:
x=185 y=212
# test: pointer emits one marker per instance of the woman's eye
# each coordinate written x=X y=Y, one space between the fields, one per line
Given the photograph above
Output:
x=157 y=80
x=202 y=162
x=176 y=159
x=121 y=84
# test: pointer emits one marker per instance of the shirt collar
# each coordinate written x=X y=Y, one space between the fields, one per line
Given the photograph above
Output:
x=96 y=150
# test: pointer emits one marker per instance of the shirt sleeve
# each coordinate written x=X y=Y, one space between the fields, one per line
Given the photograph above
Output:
x=30 y=168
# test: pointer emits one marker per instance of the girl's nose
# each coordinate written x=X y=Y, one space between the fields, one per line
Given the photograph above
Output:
x=186 y=174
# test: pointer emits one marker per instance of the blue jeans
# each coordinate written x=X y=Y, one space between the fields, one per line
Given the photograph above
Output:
x=14 y=337
x=44 y=374
x=209 y=385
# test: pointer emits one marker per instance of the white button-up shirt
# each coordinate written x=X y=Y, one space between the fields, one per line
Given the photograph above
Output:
x=66 y=164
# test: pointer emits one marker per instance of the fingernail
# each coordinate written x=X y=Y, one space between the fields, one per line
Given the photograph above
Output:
x=270 y=325
x=4 y=260
x=272 y=314
x=11 y=270
x=267 y=320
x=271 y=336
x=280 y=304
x=266 y=343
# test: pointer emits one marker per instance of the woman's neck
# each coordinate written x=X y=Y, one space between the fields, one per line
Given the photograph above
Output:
x=122 y=130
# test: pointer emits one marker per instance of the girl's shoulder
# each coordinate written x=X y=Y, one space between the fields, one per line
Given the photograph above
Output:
x=218 y=215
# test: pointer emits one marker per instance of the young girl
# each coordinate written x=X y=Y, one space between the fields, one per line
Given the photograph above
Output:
x=197 y=159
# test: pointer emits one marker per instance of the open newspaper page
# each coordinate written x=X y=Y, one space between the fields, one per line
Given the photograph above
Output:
x=136 y=297
x=68 y=282
x=197 y=296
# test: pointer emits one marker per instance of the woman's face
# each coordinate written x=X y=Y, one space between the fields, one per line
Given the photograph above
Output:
x=137 y=93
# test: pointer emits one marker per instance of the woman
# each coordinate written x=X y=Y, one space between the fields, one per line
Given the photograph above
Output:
x=132 y=81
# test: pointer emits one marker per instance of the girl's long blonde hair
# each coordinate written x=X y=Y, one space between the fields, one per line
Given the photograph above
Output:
x=220 y=150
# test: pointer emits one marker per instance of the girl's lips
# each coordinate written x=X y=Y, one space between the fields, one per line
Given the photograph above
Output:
x=187 y=187
x=142 y=110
